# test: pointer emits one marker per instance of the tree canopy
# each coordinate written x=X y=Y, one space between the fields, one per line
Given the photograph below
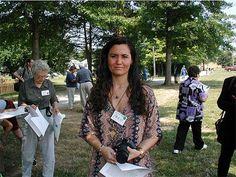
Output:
x=186 y=32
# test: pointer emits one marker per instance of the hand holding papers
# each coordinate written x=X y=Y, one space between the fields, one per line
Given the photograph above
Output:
x=57 y=124
x=205 y=88
x=122 y=170
x=36 y=121
x=13 y=112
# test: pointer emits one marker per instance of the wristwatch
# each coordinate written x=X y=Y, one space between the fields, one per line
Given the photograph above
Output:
x=142 y=154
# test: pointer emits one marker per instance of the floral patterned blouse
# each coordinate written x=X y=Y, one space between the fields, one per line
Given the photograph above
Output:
x=136 y=129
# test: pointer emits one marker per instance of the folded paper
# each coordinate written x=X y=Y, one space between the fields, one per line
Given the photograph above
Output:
x=13 y=112
x=37 y=122
x=122 y=170
x=57 y=120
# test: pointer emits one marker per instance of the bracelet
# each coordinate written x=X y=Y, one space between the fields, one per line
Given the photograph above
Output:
x=100 y=148
x=142 y=154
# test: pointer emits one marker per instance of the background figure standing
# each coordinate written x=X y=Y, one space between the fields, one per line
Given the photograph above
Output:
x=183 y=73
x=176 y=74
x=38 y=92
x=117 y=95
x=85 y=79
x=71 y=84
x=145 y=74
x=190 y=110
x=24 y=73
x=227 y=102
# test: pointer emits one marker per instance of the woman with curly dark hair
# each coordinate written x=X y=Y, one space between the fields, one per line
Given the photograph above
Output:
x=121 y=110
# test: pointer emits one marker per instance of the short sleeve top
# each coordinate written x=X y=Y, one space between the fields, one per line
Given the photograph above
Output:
x=42 y=97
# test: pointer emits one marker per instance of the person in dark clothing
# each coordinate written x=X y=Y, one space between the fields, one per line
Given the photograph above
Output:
x=24 y=73
x=227 y=102
x=71 y=84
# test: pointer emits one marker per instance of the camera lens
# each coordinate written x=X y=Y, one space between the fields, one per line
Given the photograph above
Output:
x=122 y=155
x=122 y=152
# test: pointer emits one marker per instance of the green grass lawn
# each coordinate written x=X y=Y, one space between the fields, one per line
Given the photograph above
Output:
x=72 y=153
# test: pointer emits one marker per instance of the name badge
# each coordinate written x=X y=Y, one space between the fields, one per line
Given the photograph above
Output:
x=45 y=92
x=119 y=118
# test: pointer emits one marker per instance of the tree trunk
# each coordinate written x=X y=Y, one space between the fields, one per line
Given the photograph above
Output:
x=90 y=48
x=35 y=31
x=168 y=64
x=87 y=45
x=168 y=49
x=203 y=65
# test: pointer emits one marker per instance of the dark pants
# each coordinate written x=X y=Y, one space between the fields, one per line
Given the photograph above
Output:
x=182 y=133
x=1 y=161
x=224 y=160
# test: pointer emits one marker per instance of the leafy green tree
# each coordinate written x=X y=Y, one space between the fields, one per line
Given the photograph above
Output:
x=225 y=59
x=104 y=20
x=37 y=28
x=185 y=26
x=185 y=32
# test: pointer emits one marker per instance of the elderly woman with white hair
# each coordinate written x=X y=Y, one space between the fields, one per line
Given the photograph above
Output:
x=38 y=92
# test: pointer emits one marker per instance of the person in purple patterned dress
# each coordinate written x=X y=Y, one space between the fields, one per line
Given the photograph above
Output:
x=120 y=107
x=192 y=94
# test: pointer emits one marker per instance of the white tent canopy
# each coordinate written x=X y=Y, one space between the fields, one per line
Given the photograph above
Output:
x=77 y=63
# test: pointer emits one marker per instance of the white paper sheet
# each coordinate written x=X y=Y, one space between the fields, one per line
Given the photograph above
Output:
x=58 y=118
x=205 y=88
x=13 y=112
x=123 y=170
x=37 y=122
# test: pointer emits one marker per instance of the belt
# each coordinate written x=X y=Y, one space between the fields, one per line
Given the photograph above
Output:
x=48 y=111
x=84 y=82
x=44 y=108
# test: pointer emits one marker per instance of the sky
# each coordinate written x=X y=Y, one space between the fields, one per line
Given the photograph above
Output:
x=232 y=11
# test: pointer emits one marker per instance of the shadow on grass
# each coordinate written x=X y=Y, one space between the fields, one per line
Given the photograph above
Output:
x=191 y=162
x=73 y=155
x=167 y=111
x=162 y=86
x=60 y=87
x=213 y=84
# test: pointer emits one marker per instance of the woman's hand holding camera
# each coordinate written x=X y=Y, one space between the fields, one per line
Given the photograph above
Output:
x=108 y=154
x=135 y=153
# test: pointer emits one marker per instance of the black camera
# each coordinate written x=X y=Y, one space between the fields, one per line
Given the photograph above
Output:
x=122 y=152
